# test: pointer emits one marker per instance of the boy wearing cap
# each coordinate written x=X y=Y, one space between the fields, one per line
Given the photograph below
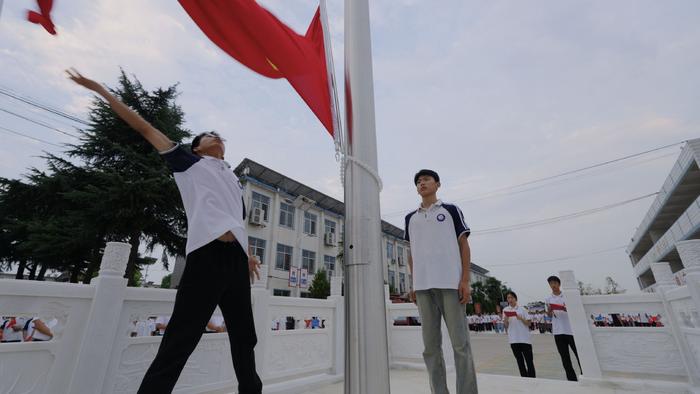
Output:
x=439 y=262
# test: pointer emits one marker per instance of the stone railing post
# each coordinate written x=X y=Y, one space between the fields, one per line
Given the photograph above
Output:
x=338 y=325
x=103 y=320
x=689 y=251
x=690 y=256
x=665 y=282
x=580 y=325
x=260 y=296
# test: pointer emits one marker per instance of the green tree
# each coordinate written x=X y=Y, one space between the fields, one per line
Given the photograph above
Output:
x=320 y=287
x=112 y=187
x=612 y=287
x=138 y=200
x=165 y=283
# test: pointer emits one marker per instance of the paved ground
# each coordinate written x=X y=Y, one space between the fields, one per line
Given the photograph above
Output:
x=498 y=372
x=416 y=382
x=492 y=355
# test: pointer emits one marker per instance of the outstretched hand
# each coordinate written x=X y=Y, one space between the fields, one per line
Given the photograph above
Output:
x=78 y=78
x=253 y=265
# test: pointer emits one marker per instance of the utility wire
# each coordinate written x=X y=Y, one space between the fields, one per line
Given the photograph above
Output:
x=488 y=194
x=558 y=182
x=605 y=163
x=48 y=126
x=553 y=259
x=28 y=136
x=34 y=103
x=555 y=219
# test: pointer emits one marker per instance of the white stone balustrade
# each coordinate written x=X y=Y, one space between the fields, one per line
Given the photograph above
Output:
x=93 y=353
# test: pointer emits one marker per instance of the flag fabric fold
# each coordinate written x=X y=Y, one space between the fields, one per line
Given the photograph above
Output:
x=257 y=39
x=43 y=17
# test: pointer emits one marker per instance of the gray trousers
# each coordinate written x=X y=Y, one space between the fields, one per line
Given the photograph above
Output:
x=433 y=306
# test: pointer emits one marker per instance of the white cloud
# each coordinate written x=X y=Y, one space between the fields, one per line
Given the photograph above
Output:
x=489 y=93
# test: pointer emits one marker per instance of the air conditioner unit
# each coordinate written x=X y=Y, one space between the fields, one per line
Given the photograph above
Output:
x=257 y=217
x=330 y=240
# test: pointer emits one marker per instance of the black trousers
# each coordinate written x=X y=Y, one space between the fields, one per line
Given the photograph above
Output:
x=563 y=342
x=215 y=274
x=523 y=355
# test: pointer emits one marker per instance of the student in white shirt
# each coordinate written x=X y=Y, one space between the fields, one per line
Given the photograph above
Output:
x=561 y=328
x=12 y=329
x=439 y=262
x=39 y=330
x=517 y=322
x=219 y=268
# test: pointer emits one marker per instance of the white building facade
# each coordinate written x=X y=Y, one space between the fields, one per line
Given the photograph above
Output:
x=293 y=227
x=673 y=216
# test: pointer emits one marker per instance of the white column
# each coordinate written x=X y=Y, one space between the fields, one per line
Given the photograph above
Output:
x=338 y=325
x=366 y=357
x=261 y=301
x=580 y=325
x=664 y=283
x=103 y=320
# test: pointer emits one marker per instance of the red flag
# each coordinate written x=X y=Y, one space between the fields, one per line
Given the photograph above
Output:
x=557 y=307
x=43 y=17
x=256 y=38
x=510 y=313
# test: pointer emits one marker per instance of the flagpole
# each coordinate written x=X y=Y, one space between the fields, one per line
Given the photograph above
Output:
x=366 y=348
x=338 y=136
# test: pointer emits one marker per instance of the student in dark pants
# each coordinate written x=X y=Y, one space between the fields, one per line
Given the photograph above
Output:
x=561 y=327
x=517 y=322
x=218 y=269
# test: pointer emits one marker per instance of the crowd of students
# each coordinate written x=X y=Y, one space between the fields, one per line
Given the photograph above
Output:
x=156 y=325
x=627 y=320
x=26 y=329
x=494 y=322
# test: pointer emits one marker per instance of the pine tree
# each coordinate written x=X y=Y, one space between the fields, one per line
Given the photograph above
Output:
x=320 y=287
x=138 y=199
x=112 y=187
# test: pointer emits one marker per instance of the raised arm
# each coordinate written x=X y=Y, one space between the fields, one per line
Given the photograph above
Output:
x=154 y=136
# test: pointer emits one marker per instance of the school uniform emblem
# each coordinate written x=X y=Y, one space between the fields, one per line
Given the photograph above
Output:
x=441 y=217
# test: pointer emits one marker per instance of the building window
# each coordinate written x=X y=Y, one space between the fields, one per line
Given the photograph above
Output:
x=284 y=257
x=281 y=293
x=308 y=260
x=392 y=279
x=402 y=282
x=329 y=265
x=389 y=250
x=399 y=254
x=305 y=294
x=263 y=202
x=330 y=226
x=310 y=223
x=287 y=215
x=257 y=247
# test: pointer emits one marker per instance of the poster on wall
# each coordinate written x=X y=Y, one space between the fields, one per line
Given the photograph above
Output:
x=293 y=276
x=304 y=278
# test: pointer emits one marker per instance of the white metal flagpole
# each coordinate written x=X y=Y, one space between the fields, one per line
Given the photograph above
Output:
x=332 y=86
x=366 y=348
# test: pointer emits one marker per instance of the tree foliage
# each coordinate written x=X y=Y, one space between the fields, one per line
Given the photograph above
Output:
x=110 y=186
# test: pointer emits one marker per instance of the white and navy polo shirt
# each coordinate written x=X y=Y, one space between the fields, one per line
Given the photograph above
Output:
x=433 y=233
x=212 y=196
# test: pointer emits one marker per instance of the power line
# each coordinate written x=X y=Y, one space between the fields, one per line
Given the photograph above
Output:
x=28 y=136
x=554 y=183
x=553 y=259
x=48 y=126
x=39 y=105
x=490 y=194
x=555 y=219
x=585 y=168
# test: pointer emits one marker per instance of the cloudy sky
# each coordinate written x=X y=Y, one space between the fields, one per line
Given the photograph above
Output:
x=488 y=93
